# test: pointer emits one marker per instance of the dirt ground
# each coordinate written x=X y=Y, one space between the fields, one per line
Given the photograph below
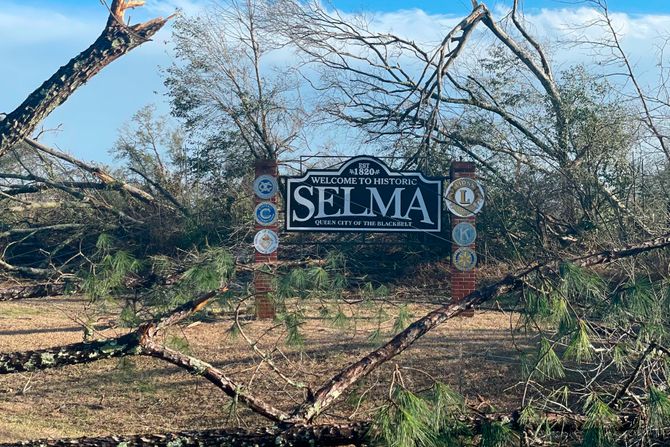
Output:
x=476 y=356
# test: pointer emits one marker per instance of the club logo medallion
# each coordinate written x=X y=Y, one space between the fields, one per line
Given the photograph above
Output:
x=266 y=242
x=265 y=186
x=464 y=234
x=265 y=213
x=465 y=197
x=465 y=259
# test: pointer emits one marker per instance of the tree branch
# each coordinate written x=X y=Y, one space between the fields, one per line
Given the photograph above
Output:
x=338 y=384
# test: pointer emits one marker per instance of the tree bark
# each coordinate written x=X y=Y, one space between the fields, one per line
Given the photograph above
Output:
x=338 y=384
x=73 y=354
x=77 y=353
x=296 y=436
x=17 y=292
x=116 y=40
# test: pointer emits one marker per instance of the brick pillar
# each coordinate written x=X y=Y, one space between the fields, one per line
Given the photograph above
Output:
x=462 y=283
x=264 y=284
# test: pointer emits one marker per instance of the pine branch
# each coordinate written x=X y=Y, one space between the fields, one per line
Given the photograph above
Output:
x=341 y=382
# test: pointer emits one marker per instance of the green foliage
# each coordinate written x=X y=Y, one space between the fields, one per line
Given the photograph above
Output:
x=658 y=405
x=620 y=356
x=129 y=317
x=447 y=406
x=561 y=316
x=320 y=278
x=599 y=420
x=412 y=420
x=326 y=281
x=407 y=422
x=211 y=271
x=380 y=316
x=580 y=283
x=637 y=297
x=402 y=320
x=113 y=269
x=580 y=348
x=548 y=364
x=104 y=242
x=292 y=322
x=496 y=434
x=340 y=320
x=339 y=281
x=537 y=304
x=298 y=279
x=335 y=260
x=529 y=417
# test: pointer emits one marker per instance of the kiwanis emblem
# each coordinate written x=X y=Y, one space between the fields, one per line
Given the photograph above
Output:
x=265 y=213
x=464 y=234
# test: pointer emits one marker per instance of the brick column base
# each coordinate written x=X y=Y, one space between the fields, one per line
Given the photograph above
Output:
x=462 y=283
x=264 y=285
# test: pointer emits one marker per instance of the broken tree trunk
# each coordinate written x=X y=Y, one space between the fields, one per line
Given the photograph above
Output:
x=296 y=436
x=87 y=352
x=21 y=291
x=116 y=40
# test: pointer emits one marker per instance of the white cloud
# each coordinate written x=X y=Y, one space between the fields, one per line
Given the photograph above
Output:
x=26 y=25
x=168 y=7
x=559 y=29
x=415 y=24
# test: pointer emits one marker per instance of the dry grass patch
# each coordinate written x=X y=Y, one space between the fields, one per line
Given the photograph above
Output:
x=476 y=356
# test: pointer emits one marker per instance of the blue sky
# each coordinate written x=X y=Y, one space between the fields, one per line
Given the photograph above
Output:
x=38 y=36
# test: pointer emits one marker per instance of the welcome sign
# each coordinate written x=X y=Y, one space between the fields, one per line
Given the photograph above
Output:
x=363 y=195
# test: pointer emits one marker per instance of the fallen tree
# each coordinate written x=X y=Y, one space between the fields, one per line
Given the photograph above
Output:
x=297 y=425
x=142 y=341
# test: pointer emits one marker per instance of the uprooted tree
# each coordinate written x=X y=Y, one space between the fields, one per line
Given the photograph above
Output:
x=590 y=283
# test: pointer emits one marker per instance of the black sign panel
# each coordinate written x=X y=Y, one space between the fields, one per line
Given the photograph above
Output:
x=363 y=195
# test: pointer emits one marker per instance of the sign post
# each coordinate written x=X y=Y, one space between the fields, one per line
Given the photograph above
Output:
x=465 y=198
x=266 y=240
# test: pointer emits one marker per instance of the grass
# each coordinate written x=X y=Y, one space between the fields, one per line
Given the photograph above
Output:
x=13 y=310
x=28 y=426
x=142 y=394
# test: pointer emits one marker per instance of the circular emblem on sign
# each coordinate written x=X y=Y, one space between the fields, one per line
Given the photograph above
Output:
x=464 y=197
x=265 y=186
x=465 y=259
x=266 y=242
x=265 y=213
x=464 y=233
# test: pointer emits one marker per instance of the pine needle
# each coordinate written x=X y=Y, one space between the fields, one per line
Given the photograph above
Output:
x=548 y=364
